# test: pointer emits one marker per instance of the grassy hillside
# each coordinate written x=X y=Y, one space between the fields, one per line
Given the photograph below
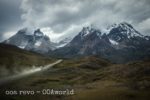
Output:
x=92 y=78
x=13 y=58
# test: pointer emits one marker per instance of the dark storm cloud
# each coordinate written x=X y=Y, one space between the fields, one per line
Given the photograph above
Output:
x=9 y=15
x=69 y=16
x=61 y=14
x=136 y=10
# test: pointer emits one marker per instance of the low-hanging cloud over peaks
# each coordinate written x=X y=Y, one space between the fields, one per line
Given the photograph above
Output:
x=67 y=17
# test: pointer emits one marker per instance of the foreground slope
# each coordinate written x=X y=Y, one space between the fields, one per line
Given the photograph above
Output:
x=91 y=78
x=13 y=59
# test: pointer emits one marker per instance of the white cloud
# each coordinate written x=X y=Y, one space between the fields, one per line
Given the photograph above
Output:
x=49 y=32
x=7 y=35
x=144 y=26
x=67 y=17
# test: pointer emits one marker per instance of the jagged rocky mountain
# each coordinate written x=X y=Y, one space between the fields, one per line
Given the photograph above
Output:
x=119 y=43
x=37 y=42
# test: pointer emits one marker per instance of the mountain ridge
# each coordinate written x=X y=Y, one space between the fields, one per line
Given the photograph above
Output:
x=122 y=44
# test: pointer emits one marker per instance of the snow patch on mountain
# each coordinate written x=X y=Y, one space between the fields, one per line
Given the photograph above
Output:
x=147 y=38
x=23 y=44
x=85 y=31
x=63 y=42
x=113 y=42
x=109 y=28
x=61 y=45
x=38 y=43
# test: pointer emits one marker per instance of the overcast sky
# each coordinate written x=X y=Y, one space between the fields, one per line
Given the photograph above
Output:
x=62 y=18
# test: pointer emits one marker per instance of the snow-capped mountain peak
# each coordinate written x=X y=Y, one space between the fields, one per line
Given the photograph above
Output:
x=125 y=29
x=86 y=31
x=22 y=31
x=35 y=41
x=129 y=30
x=38 y=33
x=25 y=31
x=122 y=43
